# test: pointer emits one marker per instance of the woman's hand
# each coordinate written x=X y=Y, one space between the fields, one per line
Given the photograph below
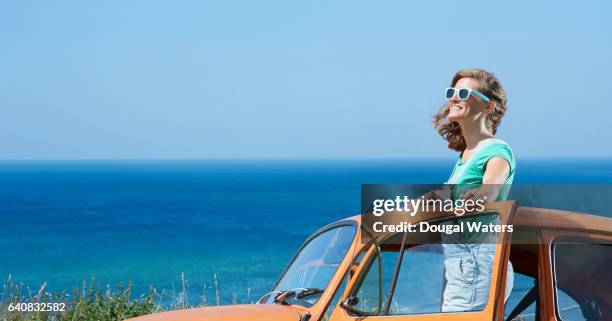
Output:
x=433 y=195
x=475 y=194
x=438 y=194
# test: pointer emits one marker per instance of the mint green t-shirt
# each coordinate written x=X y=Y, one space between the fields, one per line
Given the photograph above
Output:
x=468 y=174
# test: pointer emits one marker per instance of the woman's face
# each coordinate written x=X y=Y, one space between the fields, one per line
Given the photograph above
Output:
x=466 y=110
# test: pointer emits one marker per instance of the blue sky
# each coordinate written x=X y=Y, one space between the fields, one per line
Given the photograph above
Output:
x=241 y=79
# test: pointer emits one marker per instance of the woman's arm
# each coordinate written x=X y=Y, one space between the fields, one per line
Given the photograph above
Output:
x=495 y=176
x=497 y=171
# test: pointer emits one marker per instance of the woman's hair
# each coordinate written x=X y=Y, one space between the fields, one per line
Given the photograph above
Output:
x=489 y=85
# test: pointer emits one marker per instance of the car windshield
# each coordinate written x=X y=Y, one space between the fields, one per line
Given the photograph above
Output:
x=314 y=266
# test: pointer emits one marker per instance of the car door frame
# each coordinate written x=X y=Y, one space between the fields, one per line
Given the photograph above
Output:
x=493 y=309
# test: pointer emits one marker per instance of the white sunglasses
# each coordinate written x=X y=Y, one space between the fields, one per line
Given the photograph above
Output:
x=464 y=94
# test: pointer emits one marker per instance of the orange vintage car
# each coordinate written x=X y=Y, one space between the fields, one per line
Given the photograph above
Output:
x=562 y=265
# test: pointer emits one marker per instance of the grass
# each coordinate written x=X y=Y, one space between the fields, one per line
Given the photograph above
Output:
x=89 y=302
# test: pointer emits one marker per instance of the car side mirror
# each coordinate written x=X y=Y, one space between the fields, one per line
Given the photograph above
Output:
x=350 y=302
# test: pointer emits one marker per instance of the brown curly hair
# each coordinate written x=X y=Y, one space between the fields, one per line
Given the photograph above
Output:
x=489 y=85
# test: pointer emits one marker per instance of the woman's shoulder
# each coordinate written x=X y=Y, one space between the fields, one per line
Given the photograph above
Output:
x=497 y=148
x=497 y=144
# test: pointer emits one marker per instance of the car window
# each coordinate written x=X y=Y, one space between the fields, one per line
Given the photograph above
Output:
x=330 y=308
x=583 y=279
x=567 y=307
x=522 y=285
x=421 y=281
x=315 y=264
x=368 y=296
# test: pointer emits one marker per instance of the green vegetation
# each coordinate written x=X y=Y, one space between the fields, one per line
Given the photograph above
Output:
x=90 y=302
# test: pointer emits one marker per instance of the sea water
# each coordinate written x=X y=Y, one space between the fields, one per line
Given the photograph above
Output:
x=146 y=222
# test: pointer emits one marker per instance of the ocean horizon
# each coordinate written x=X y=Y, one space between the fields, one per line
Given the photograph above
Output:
x=148 y=221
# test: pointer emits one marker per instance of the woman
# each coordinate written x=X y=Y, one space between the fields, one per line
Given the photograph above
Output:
x=484 y=170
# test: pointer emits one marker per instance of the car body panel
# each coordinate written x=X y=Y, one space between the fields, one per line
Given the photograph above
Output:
x=252 y=312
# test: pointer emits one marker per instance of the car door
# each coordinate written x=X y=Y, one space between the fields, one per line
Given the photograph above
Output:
x=407 y=281
x=577 y=275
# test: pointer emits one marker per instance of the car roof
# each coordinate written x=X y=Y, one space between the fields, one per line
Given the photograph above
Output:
x=558 y=219
x=545 y=218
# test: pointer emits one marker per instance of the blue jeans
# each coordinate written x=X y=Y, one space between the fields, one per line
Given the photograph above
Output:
x=468 y=269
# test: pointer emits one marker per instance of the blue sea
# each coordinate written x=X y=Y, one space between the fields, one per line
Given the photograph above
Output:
x=149 y=221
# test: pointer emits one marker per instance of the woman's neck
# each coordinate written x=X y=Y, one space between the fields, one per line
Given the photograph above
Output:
x=474 y=135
